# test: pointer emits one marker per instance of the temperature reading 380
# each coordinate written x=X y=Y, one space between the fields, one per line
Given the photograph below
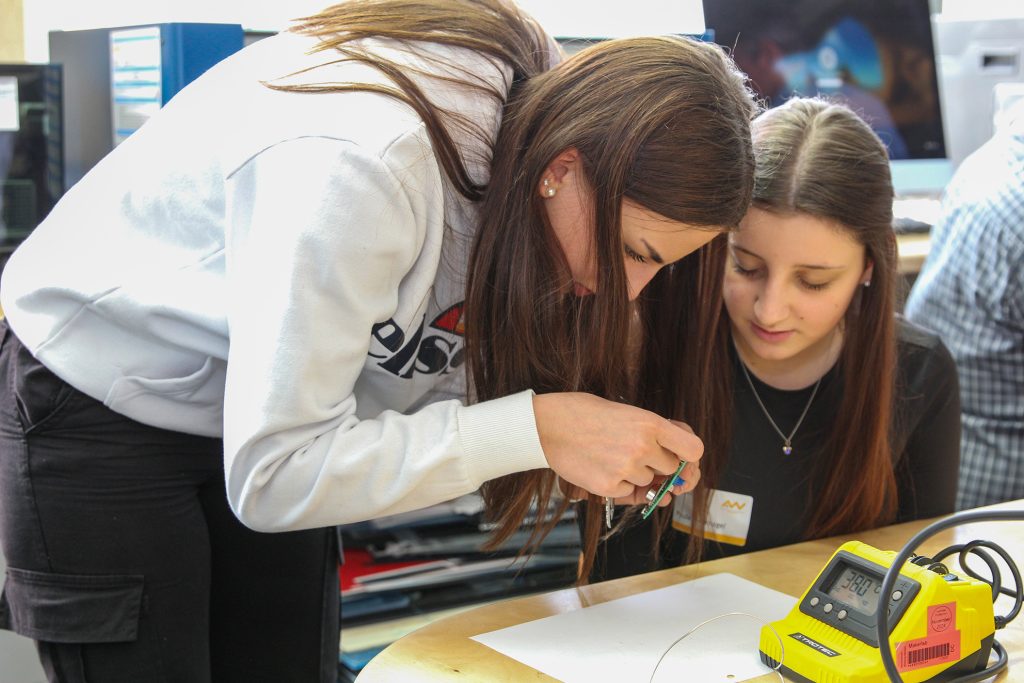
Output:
x=857 y=589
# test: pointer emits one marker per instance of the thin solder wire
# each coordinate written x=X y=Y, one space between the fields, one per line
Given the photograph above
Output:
x=782 y=647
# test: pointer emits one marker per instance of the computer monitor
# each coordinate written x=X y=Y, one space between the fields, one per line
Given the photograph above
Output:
x=877 y=56
x=84 y=57
x=115 y=78
x=31 y=156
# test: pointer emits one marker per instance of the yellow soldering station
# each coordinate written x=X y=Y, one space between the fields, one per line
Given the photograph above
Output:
x=942 y=624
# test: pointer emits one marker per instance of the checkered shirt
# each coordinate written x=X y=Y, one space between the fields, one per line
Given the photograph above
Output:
x=971 y=293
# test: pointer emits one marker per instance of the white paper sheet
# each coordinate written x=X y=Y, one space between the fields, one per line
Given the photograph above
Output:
x=621 y=640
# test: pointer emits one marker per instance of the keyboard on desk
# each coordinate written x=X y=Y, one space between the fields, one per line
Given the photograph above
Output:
x=915 y=215
x=909 y=226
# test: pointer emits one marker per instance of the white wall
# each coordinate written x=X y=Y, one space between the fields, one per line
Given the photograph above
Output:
x=559 y=17
x=43 y=16
x=982 y=9
x=585 y=18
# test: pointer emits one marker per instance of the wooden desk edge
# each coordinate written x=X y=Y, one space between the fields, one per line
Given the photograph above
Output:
x=912 y=249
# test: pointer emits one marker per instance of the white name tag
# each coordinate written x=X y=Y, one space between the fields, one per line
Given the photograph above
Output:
x=728 y=519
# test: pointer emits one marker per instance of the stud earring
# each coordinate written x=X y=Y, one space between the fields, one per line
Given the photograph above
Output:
x=548 y=190
x=866 y=283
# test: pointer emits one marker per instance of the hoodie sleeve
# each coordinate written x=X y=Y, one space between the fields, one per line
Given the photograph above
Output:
x=320 y=235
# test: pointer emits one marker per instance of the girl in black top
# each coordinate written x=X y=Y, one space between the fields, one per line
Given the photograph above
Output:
x=843 y=417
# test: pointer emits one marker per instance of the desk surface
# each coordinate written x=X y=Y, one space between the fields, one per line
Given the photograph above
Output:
x=443 y=650
x=912 y=249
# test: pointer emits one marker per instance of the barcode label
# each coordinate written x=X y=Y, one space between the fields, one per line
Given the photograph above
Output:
x=926 y=653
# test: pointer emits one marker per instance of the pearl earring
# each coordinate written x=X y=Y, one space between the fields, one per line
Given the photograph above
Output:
x=866 y=283
x=548 y=190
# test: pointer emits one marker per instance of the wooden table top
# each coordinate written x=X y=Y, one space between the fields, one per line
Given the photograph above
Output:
x=912 y=250
x=443 y=651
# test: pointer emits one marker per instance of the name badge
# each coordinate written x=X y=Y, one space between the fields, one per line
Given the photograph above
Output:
x=728 y=519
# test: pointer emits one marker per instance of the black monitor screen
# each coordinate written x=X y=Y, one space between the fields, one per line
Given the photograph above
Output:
x=31 y=150
x=876 y=56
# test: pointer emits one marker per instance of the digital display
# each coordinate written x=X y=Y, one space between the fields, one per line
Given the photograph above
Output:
x=857 y=588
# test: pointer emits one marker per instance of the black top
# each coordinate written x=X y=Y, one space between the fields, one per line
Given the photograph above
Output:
x=926 y=455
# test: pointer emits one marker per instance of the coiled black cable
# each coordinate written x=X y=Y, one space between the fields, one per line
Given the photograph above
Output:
x=882 y=625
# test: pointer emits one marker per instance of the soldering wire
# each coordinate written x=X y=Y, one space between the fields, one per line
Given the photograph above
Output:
x=782 y=648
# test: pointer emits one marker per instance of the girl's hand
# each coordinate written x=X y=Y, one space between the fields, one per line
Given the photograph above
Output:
x=614 y=450
x=690 y=476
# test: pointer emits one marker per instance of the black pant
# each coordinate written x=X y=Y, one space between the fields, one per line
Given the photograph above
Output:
x=125 y=562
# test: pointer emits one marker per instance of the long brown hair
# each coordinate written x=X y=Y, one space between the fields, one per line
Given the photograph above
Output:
x=819 y=158
x=662 y=121
x=692 y=325
x=493 y=28
x=665 y=123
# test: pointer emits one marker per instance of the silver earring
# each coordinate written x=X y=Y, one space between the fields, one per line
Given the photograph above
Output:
x=866 y=283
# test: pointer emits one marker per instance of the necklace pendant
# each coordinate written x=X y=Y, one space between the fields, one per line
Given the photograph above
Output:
x=787 y=441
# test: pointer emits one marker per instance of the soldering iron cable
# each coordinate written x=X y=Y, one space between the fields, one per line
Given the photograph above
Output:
x=889 y=582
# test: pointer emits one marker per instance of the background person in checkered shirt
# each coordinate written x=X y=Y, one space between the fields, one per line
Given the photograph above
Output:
x=971 y=292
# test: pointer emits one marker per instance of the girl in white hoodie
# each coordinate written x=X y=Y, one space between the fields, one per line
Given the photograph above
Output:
x=279 y=283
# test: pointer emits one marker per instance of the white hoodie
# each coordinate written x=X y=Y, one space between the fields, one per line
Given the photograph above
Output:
x=274 y=268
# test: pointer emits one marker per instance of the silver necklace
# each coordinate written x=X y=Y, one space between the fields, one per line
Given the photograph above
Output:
x=787 y=441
